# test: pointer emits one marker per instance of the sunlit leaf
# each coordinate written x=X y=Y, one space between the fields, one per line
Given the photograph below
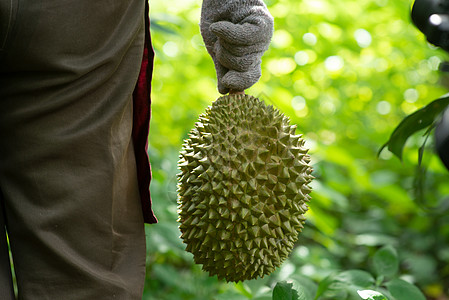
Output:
x=371 y=295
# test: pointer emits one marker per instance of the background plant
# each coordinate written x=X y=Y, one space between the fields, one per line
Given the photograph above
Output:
x=346 y=72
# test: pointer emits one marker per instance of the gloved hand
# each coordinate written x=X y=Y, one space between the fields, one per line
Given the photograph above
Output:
x=236 y=34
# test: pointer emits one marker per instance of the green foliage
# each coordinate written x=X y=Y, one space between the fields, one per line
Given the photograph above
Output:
x=285 y=291
x=371 y=295
x=402 y=290
x=346 y=72
x=425 y=117
x=357 y=284
x=386 y=262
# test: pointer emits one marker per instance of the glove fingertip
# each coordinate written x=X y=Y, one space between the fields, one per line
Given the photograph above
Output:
x=222 y=89
x=241 y=80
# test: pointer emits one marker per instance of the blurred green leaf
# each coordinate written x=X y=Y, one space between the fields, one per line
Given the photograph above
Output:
x=167 y=274
x=301 y=281
x=423 y=267
x=231 y=295
x=344 y=285
x=324 y=285
x=155 y=25
x=259 y=288
x=385 y=262
x=414 y=122
x=402 y=290
x=357 y=278
x=243 y=289
x=285 y=291
x=302 y=295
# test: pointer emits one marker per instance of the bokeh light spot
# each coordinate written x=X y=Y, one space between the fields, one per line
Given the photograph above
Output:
x=170 y=49
x=363 y=37
x=411 y=95
x=282 y=39
x=383 y=107
x=281 y=66
x=334 y=63
x=310 y=39
x=301 y=58
x=298 y=103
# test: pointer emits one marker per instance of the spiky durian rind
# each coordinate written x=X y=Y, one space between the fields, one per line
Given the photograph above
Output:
x=242 y=189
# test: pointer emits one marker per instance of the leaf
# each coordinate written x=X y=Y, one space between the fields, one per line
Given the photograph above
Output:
x=302 y=295
x=264 y=297
x=402 y=290
x=259 y=287
x=423 y=146
x=243 y=289
x=386 y=262
x=324 y=285
x=164 y=29
x=332 y=288
x=351 y=281
x=371 y=295
x=357 y=278
x=414 y=122
x=230 y=295
x=285 y=291
x=420 y=176
x=167 y=274
x=309 y=286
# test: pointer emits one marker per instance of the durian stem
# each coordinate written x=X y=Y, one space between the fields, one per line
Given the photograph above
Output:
x=236 y=92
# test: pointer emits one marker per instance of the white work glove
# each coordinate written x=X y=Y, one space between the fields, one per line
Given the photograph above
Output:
x=236 y=34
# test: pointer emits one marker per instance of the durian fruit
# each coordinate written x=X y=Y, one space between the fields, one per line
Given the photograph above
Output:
x=243 y=188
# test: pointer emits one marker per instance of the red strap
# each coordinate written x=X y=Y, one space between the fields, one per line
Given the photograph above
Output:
x=141 y=122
